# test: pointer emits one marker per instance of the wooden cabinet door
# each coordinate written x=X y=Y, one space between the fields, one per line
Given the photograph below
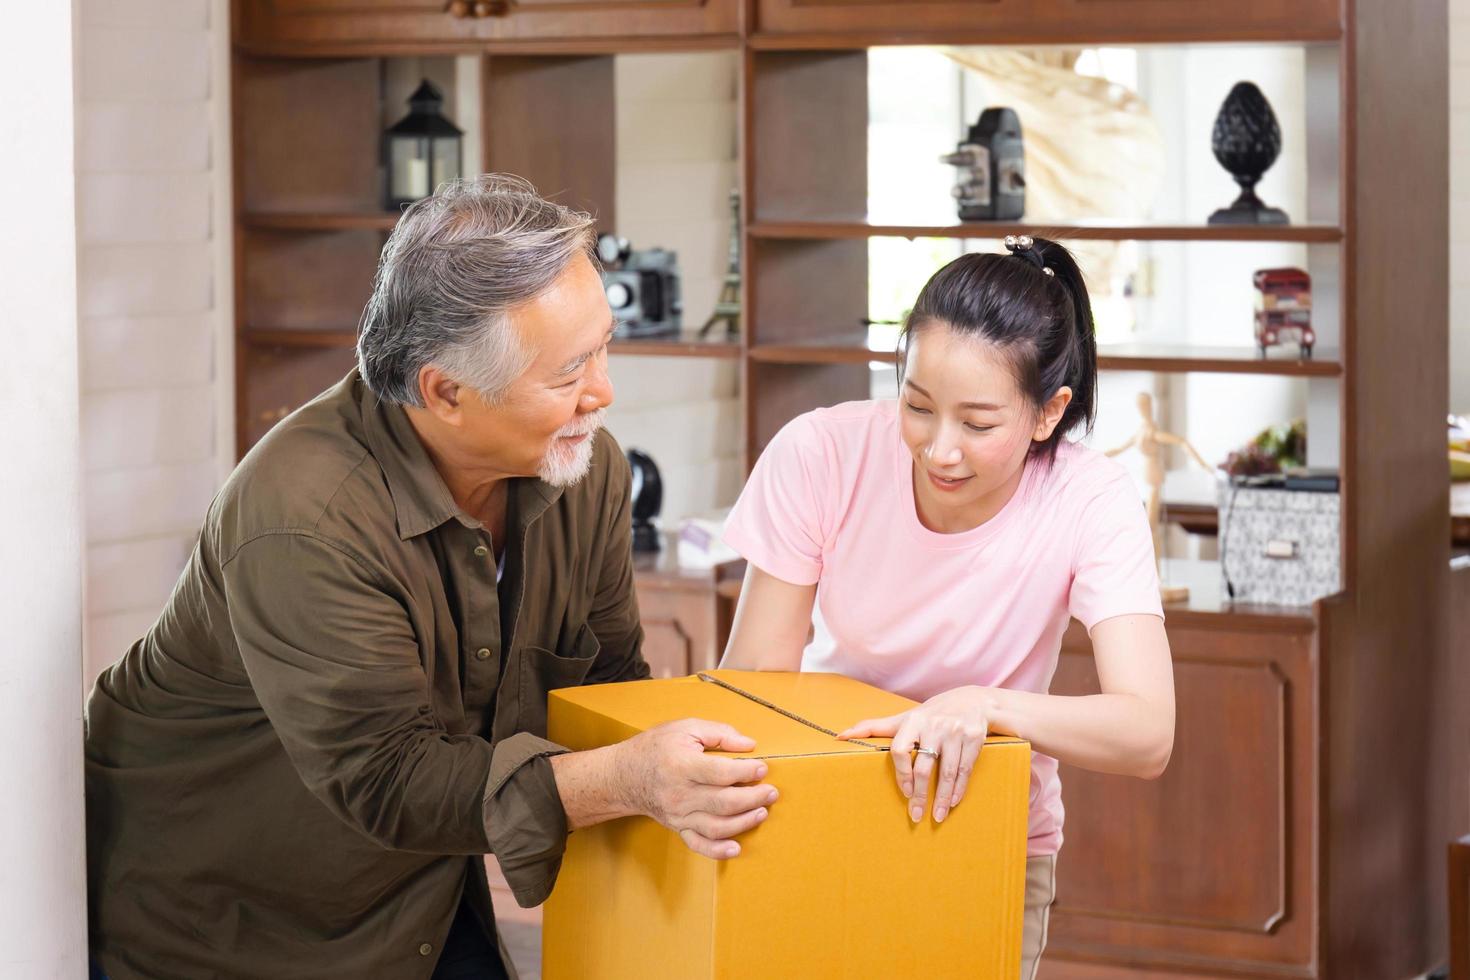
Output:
x=686 y=613
x=1054 y=21
x=1211 y=866
x=331 y=26
x=277 y=380
x=678 y=629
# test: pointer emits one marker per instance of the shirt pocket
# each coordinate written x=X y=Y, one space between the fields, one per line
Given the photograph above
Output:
x=543 y=671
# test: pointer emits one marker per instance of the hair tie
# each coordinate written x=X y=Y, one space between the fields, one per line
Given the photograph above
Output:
x=1025 y=247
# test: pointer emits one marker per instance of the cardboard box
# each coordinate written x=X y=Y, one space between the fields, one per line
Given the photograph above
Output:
x=837 y=883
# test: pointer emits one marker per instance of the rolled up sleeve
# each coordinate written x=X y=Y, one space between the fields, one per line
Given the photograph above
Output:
x=331 y=654
x=524 y=819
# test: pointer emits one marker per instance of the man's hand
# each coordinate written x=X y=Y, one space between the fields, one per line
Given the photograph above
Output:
x=664 y=773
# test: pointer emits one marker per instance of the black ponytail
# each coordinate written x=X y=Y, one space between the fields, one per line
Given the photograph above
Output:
x=1032 y=305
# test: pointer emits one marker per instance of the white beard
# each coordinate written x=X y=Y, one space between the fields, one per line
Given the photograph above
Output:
x=564 y=464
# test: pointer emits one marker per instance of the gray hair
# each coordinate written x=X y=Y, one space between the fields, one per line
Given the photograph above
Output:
x=455 y=265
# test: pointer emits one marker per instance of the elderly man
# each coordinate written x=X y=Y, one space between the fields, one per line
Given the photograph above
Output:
x=296 y=772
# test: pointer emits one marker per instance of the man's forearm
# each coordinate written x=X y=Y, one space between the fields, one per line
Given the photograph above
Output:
x=591 y=787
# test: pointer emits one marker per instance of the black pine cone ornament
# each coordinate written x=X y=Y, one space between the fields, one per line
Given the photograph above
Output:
x=1247 y=136
x=1247 y=141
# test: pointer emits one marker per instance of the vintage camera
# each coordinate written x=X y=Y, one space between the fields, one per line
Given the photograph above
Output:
x=992 y=168
x=642 y=287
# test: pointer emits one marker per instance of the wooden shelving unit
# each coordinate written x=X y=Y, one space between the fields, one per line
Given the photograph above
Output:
x=1315 y=780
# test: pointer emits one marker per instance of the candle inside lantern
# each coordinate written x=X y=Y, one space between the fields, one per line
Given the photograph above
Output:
x=422 y=151
x=412 y=178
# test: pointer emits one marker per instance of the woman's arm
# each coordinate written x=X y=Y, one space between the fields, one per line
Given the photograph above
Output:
x=1128 y=729
x=771 y=624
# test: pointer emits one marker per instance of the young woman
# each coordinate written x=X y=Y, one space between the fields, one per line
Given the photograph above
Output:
x=941 y=542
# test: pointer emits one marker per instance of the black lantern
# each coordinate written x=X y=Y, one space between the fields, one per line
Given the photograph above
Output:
x=422 y=150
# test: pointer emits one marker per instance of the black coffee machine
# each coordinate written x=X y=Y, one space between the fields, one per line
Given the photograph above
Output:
x=648 y=500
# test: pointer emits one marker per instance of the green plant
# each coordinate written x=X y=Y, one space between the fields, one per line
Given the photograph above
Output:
x=1272 y=450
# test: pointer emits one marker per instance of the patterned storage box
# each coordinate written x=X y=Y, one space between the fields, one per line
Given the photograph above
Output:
x=1282 y=547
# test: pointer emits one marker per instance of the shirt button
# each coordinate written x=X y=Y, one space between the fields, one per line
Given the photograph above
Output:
x=425 y=949
x=483 y=653
x=481 y=551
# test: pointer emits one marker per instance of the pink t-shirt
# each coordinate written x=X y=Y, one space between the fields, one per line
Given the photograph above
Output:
x=910 y=610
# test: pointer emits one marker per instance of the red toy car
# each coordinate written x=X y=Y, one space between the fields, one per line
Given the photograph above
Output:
x=1284 y=309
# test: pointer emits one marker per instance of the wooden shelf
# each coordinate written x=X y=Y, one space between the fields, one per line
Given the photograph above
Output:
x=1166 y=358
x=1180 y=359
x=829 y=349
x=310 y=339
x=830 y=230
x=1185 y=359
x=687 y=344
x=1176 y=359
x=321 y=221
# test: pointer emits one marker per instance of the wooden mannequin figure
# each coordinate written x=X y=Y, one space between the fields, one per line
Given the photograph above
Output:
x=1151 y=441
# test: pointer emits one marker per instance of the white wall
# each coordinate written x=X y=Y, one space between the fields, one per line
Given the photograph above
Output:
x=43 y=928
x=676 y=164
x=1460 y=206
x=153 y=295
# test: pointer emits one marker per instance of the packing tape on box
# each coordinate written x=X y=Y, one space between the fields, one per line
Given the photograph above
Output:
x=782 y=711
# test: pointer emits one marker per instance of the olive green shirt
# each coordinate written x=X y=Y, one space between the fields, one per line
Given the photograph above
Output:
x=293 y=773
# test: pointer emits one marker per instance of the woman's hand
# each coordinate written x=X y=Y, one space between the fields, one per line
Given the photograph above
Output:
x=953 y=725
